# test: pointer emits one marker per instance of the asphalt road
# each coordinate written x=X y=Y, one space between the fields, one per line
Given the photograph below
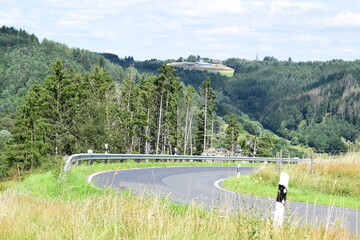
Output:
x=187 y=185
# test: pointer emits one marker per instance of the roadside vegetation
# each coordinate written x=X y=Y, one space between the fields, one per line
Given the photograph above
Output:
x=54 y=205
x=333 y=182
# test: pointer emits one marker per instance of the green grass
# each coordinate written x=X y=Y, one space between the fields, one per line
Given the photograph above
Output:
x=333 y=183
x=227 y=74
x=73 y=185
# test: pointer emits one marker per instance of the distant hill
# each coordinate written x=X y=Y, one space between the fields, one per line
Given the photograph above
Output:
x=24 y=61
x=314 y=104
x=203 y=66
x=309 y=103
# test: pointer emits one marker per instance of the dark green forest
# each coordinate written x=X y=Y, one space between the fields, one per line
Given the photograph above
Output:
x=57 y=101
x=315 y=104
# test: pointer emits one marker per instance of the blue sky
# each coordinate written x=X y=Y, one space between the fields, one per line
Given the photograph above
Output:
x=220 y=29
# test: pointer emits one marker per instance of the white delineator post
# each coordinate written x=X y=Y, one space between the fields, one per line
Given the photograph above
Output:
x=281 y=199
x=238 y=169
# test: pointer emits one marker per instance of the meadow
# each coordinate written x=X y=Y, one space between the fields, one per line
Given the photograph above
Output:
x=333 y=181
x=54 y=205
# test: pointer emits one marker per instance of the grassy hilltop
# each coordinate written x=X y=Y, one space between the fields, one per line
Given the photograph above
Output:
x=211 y=68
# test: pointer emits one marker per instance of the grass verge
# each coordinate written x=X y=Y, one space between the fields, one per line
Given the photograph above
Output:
x=65 y=206
x=334 y=182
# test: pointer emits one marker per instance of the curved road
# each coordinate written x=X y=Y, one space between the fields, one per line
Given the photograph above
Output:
x=202 y=185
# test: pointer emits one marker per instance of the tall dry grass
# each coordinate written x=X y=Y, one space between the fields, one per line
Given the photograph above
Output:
x=119 y=216
x=344 y=165
x=333 y=181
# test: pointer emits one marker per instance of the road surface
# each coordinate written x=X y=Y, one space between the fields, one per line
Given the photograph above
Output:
x=187 y=185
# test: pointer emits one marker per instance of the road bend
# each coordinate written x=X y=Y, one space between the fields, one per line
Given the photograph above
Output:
x=202 y=185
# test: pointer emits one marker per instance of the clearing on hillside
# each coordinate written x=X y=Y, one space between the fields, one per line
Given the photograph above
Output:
x=203 y=66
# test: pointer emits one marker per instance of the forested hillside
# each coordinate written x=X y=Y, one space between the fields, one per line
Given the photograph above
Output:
x=311 y=103
x=57 y=101
x=314 y=104
x=24 y=61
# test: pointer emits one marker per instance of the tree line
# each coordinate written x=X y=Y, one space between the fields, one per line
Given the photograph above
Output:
x=313 y=104
x=72 y=112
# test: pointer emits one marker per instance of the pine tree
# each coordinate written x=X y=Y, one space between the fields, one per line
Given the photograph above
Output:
x=168 y=89
x=60 y=102
x=29 y=148
x=96 y=114
x=146 y=94
x=189 y=114
x=232 y=134
x=128 y=99
x=203 y=138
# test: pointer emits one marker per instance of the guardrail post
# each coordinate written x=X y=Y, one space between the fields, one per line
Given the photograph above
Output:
x=280 y=160
x=289 y=160
x=312 y=165
x=281 y=199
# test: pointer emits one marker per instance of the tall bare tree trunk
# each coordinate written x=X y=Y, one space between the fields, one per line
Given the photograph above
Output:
x=190 y=137
x=212 y=133
x=205 y=118
x=186 y=130
x=147 y=150
x=159 y=127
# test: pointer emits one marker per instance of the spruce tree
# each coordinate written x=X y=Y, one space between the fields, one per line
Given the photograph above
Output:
x=60 y=104
x=189 y=114
x=203 y=138
x=168 y=89
x=232 y=134
x=30 y=147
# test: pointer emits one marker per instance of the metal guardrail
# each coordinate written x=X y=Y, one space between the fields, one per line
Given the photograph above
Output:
x=92 y=156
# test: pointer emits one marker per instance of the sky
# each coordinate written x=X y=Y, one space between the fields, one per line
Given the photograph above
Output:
x=317 y=30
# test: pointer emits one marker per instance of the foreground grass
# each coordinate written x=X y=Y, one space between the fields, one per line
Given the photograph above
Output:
x=117 y=216
x=334 y=182
x=51 y=206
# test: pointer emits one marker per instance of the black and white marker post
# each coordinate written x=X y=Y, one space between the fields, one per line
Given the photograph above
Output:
x=106 y=148
x=238 y=169
x=281 y=199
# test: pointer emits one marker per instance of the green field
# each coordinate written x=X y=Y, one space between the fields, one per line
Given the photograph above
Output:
x=212 y=68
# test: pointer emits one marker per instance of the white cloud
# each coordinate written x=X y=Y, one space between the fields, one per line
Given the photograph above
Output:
x=165 y=27
x=90 y=4
x=11 y=15
x=309 y=39
x=339 y=21
x=104 y=34
x=346 y=19
x=226 y=31
x=284 y=7
x=214 y=8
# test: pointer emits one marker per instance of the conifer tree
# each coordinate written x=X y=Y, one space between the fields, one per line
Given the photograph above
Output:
x=168 y=90
x=96 y=113
x=60 y=104
x=147 y=92
x=30 y=147
x=128 y=97
x=189 y=114
x=232 y=134
x=203 y=137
